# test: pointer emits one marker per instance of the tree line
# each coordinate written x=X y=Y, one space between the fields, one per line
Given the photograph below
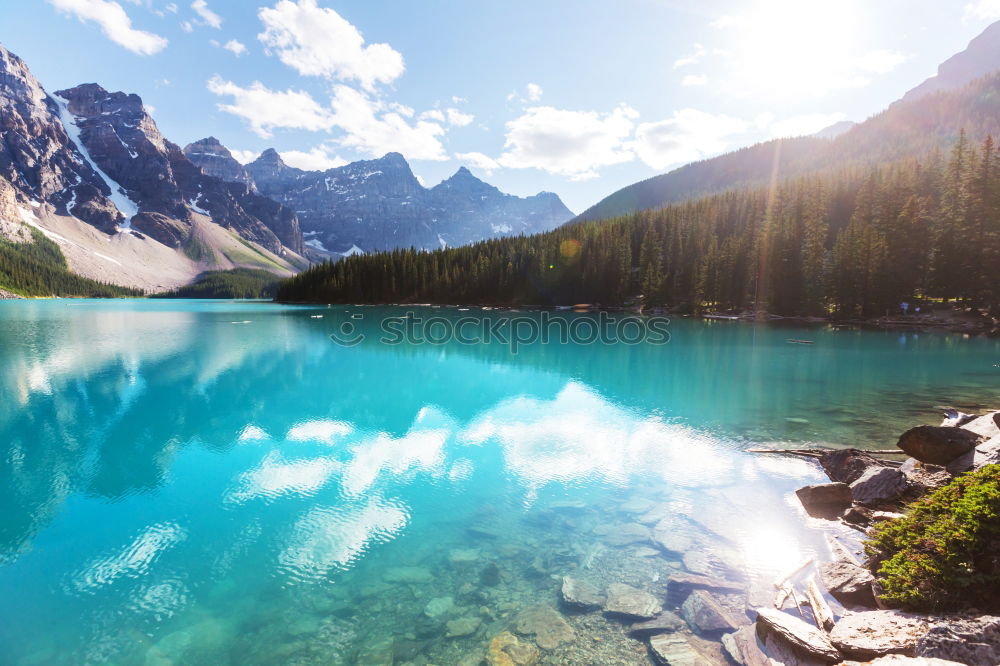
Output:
x=853 y=241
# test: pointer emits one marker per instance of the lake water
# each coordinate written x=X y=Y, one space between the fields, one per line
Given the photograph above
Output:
x=220 y=483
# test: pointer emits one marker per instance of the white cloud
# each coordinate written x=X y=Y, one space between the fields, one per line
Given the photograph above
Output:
x=478 y=161
x=982 y=10
x=881 y=61
x=187 y=26
x=726 y=21
x=805 y=124
x=316 y=41
x=694 y=80
x=235 y=47
x=458 y=100
x=433 y=114
x=375 y=128
x=459 y=118
x=763 y=120
x=265 y=109
x=570 y=143
x=691 y=58
x=688 y=136
x=171 y=7
x=534 y=92
x=244 y=156
x=208 y=17
x=115 y=24
x=316 y=159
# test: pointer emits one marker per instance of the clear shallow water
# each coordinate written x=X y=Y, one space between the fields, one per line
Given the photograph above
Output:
x=179 y=488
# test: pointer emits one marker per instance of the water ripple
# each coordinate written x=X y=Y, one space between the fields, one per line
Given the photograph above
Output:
x=133 y=561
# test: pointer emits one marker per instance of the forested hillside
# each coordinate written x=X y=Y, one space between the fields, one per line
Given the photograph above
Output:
x=906 y=129
x=237 y=283
x=38 y=268
x=853 y=242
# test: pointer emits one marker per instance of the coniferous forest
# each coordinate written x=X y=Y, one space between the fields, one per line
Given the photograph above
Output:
x=850 y=242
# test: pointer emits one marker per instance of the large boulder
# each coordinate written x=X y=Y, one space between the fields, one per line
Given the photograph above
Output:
x=581 y=595
x=630 y=602
x=825 y=500
x=798 y=634
x=986 y=453
x=847 y=465
x=706 y=615
x=969 y=641
x=877 y=633
x=848 y=583
x=879 y=485
x=937 y=445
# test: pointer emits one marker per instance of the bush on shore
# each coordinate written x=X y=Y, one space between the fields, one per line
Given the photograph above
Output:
x=944 y=555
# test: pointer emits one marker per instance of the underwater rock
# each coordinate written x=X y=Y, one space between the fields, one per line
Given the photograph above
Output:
x=681 y=584
x=413 y=575
x=580 y=594
x=490 y=575
x=507 y=650
x=707 y=616
x=546 y=624
x=672 y=537
x=675 y=650
x=664 y=623
x=380 y=654
x=427 y=627
x=630 y=602
x=463 y=557
x=743 y=649
x=463 y=626
x=625 y=534
x=637 y=505
x=645 y=551
x=656 y=514
x=439 y=607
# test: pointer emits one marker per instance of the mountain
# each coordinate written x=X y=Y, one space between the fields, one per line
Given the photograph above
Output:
x=967 y=96
x=89 y=171
x=980 y=58
x=379 y=204
x=835 y=130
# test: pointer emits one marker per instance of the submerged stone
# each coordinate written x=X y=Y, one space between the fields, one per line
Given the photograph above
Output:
x=546 y=624
x=626 y=534
x=706 y=615
x=463 y=626
x=490 y=575
x=580 y=594
x=631 y=602
x=507 y=650
x=439 y=606
x=664 y=623
x=675 y=650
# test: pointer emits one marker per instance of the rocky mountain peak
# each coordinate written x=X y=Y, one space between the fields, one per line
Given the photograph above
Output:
x=980 y=57
x=214 y=159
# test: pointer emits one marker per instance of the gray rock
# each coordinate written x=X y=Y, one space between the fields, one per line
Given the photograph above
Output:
x=937 y=445
x=847 y=465
x=546 y=624
x=625 y=534
x=679 y=585
x=900 y=660
x=706 y=615
x=671 y=537
x=439 y=607
x=664 y=623
x=922 y=477
x=796 y=633
x=969 y=641
x=879 y=485
x=580 y=594
x=987 y=453
x=825 y=500
x=743 y=648
x=985 y=426
x=675 y=650
x=848 y=583
x=463 y=626
x=877 y=633
x=630 y=602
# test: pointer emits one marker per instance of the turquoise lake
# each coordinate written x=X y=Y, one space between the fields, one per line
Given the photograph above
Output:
x=220 y=483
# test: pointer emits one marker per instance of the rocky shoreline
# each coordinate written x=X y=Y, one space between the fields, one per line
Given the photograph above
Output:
x=8 y=296
x=865 y=490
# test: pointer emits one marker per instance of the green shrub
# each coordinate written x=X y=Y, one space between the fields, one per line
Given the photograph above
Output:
x=944 y=555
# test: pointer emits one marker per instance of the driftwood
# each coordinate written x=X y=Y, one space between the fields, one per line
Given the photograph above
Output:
x=818 y=453
x=821 y=610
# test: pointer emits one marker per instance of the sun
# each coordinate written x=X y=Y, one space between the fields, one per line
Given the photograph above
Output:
x=786 y=48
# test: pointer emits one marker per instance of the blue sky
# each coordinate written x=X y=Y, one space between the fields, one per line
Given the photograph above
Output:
x=577 y=97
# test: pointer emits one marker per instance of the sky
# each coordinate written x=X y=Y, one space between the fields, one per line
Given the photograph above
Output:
x=577 y=97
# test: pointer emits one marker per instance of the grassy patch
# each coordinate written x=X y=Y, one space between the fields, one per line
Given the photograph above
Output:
x=944 y=555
